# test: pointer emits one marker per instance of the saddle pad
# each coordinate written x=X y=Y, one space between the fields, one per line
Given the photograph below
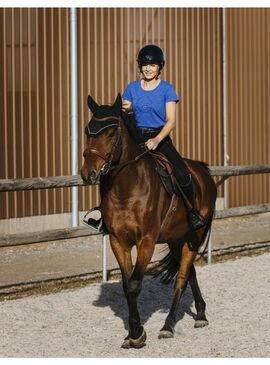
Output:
x=165 y=178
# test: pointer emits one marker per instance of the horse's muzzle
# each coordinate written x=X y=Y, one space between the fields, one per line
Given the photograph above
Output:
x=92 y=177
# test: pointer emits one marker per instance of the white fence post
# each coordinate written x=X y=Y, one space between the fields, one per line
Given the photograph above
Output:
x=105 y=259
x=74 y=115
x=209 y=252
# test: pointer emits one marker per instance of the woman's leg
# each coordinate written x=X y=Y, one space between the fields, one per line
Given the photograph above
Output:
x=183 y=178
x=180 y=169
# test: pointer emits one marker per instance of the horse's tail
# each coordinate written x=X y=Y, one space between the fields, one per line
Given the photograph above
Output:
x=168 y=267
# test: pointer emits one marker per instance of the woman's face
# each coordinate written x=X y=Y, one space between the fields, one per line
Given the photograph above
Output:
x=150 y=71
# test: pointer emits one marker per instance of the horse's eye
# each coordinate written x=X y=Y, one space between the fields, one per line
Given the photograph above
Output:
x=111 y=134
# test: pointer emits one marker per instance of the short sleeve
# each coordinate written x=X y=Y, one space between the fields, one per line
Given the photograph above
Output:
x=171 y=95
x=127 y=93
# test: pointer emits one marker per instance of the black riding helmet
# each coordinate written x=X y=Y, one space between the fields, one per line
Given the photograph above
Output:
x=151 y=54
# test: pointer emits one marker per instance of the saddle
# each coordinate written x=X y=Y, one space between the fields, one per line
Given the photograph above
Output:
x=164 y=169
x=165 y=172
x=172 y=187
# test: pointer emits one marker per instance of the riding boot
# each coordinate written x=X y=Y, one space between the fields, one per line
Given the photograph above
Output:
x=196 y=221
x=186 y=189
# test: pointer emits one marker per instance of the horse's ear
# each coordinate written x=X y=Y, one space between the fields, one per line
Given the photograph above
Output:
x=91 y=104
x=118 y=104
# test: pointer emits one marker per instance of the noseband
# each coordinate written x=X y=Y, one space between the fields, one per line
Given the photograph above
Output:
x=108 y=161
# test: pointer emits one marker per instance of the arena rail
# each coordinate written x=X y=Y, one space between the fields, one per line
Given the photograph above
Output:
x=75 y=180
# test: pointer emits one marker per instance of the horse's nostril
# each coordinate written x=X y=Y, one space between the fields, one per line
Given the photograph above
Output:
x=89 y=177
x=93 y=174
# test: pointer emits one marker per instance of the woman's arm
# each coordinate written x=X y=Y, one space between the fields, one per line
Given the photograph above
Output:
x=152 y=143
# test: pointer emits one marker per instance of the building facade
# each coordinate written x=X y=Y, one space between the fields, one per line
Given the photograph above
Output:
x=35 y=91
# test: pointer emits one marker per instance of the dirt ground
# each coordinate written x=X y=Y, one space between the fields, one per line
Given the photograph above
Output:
x=92 y=321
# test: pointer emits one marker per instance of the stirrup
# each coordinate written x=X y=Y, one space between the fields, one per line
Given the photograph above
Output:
x=95 y=224
x=196 y=221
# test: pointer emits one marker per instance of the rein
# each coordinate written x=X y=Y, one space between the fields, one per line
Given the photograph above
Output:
x=124 y=164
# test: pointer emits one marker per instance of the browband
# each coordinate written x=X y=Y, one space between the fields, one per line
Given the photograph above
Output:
x=98 y=125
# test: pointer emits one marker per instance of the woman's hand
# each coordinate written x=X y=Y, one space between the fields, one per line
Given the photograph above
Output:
x=126 y=105
x=152 y=143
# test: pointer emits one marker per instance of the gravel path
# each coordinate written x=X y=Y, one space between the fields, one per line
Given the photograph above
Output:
x=91 y=321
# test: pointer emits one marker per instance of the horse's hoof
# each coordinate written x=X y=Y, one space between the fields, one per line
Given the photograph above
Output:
x=138 y=342
x=201 y=323
x=165 y=334
x=126 y=344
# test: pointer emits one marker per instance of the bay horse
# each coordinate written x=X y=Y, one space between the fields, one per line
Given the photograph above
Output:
x=137 y=210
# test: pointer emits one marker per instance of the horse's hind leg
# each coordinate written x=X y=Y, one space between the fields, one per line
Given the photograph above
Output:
x=200 y=319
x=187 y=259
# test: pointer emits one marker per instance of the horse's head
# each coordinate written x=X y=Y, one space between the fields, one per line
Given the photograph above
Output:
x=103 y=137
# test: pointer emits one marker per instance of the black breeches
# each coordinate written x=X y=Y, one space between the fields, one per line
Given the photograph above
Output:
x=180 y=169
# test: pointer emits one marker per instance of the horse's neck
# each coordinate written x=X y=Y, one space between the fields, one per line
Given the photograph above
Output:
x=130 y=149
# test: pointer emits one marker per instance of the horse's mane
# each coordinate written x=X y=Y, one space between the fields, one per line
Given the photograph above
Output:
x=130 y=124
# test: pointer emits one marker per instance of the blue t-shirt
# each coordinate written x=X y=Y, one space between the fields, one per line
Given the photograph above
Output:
x=149 y=107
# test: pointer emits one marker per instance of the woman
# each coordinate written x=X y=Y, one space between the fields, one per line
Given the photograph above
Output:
x=153 y=102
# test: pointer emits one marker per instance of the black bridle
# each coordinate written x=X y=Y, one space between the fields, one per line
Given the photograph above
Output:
x=108 y=161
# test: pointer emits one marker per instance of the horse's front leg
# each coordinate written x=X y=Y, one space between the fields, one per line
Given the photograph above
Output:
x=123 y=257
x=137 y=336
